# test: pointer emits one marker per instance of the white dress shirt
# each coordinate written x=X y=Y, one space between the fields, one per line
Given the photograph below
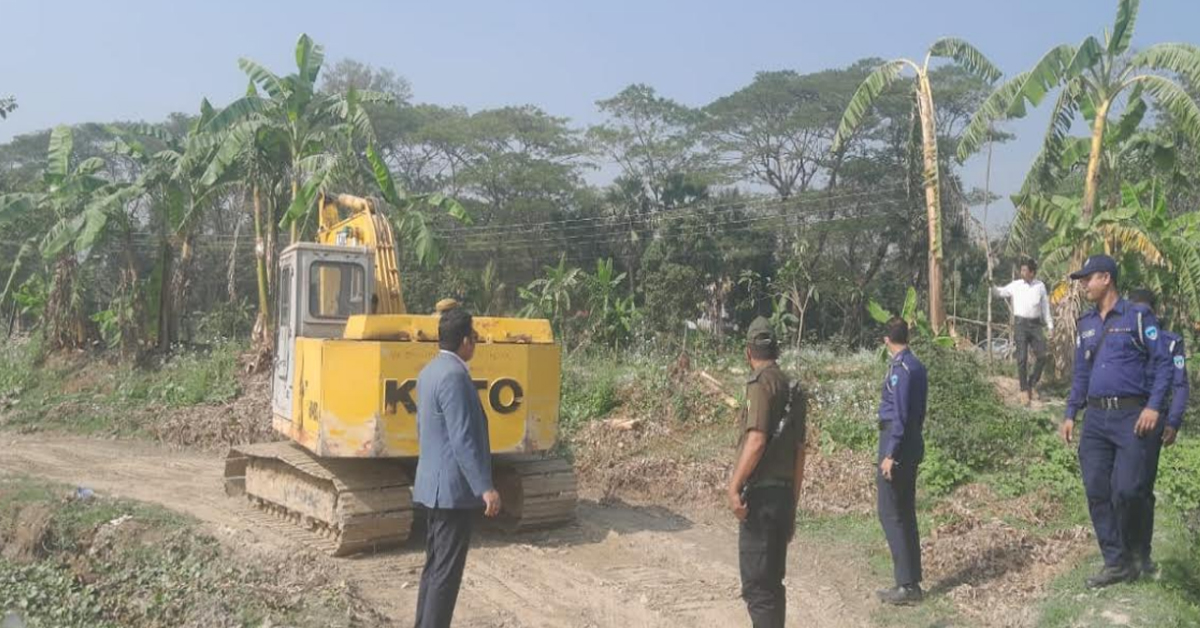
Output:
x=1029 y=300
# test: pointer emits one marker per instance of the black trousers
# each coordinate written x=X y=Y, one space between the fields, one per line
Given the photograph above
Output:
x=897 y=505
x=762 y=553
x=446 y=545
x=1029 y=334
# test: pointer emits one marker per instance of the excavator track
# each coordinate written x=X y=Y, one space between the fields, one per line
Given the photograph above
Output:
x=536 y=492
x=350 y=505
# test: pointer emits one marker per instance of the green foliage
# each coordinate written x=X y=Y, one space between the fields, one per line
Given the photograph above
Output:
x=918 y=322
x=611 y=313
x=587 y=395
x=550 y=297
x=941 y=474
x=843 y=392
x=1177 y=477
x=188 y=379
x=966 y=420
x=157 y=571
x=1047 y=466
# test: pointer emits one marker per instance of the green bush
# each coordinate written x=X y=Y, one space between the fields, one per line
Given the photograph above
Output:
x=1048 y=465
x=1177 y=476
x=18 y=363
x=966 y=419
x=163 y=573
x=843 y=392
x=939 y=474
x=189 y=379
x=587 y=394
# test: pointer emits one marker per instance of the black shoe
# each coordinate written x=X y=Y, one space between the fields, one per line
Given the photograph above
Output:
x=1149 y=567
x=1112 y=575
x=901 y=596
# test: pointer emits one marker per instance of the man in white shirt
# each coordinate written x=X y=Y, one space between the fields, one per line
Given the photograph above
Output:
x=1031 y=309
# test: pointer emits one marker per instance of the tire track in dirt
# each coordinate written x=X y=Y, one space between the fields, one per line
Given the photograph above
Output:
x=622 y=566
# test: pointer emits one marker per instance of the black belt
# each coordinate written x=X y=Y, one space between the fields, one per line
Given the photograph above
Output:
x=1116 y=403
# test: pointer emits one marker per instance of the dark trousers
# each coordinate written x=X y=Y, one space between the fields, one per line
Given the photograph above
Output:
x=446 y=544
x=762 y=553
x=897 y=505
x=1115 y=466
x=1146 y=521
x=1029 y=334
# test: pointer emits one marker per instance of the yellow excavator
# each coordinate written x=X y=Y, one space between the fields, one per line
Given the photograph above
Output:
x=344 y=394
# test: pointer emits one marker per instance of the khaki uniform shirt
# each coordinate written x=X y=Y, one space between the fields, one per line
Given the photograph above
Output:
x=766 y=402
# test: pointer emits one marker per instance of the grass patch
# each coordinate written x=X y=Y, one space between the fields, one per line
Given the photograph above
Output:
x=105 y=563
x=1173 y=600
x=86 y=394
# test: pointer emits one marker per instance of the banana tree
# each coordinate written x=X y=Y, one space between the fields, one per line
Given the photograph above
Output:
x=183 y=186
x=918 y=324
x=310 y=125
x=1176 y=238
x=612 y=314
x=80 y=204
x=1149 y=245
x=860 y=105
x=550 y=296
x=1090 y=79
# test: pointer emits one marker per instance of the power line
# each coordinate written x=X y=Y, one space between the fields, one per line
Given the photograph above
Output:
x=584 y=239
x=709 y=208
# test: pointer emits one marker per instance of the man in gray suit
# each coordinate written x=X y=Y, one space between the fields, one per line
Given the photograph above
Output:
x=454 y=471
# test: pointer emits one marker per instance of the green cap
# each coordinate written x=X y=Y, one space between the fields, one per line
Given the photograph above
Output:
x=760 y=333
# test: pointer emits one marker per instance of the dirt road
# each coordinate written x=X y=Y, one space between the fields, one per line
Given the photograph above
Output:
x=622 y=565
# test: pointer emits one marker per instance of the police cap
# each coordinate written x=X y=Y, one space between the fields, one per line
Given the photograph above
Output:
x=1097 y=264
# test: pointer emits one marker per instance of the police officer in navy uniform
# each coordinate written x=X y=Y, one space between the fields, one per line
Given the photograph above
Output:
x=1122 y=375
x=1179 y=398
x=901 y=449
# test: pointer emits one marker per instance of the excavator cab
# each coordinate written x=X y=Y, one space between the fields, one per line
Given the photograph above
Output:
x=320 y=288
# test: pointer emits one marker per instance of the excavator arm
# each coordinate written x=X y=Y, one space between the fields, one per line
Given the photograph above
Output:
x=354 y=221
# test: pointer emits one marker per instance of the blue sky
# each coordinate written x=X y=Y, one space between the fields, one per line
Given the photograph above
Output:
x=75 y=61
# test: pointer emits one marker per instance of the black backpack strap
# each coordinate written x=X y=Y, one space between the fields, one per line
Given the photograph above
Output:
x=1100 y=344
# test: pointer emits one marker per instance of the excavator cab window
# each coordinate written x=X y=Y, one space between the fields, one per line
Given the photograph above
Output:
x=336 y=290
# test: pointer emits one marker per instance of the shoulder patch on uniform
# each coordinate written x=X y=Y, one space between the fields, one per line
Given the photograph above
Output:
x=1152 y=332
x=894 y=378
x=1088 y=333
x=1180 y=362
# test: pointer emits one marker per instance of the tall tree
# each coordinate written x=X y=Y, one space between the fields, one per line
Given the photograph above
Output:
x=972 y=60
x=777 y=130
x=348 y=74
x=653 y=139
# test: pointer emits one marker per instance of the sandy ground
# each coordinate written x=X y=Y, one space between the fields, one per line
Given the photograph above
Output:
x=621 y=565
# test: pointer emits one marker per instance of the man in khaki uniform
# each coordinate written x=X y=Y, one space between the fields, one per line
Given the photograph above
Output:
x=765 y=486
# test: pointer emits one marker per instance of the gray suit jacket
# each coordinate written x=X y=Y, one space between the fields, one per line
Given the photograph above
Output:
x=455 y=465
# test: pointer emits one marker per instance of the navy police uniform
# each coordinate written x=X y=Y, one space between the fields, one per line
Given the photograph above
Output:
x=901 y=421
x=1180 y=390
x=1121 y=367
